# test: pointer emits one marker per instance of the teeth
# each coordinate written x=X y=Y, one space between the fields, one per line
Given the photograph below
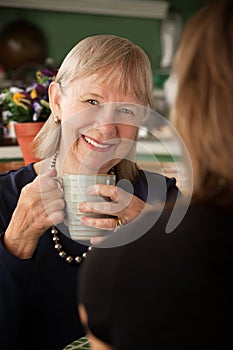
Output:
x=95 y=144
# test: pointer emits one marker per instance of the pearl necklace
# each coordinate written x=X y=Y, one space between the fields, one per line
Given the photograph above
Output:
x=56 y=239
x=62 y=253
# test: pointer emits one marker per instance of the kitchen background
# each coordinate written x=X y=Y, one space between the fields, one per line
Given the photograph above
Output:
x=61 y=26
x=63 y=30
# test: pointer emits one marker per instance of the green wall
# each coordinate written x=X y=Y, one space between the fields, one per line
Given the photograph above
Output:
x=64 y=30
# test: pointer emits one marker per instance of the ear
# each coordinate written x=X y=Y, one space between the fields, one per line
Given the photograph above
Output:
x=55 y=98
x=82 y=314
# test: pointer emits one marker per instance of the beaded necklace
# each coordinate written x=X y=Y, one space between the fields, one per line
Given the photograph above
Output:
x=70 y=259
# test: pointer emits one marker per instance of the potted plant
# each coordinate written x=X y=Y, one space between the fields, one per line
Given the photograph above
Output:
x=27 y=107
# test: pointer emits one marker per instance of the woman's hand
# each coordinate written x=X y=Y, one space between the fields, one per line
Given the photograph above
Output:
x=123 y=205
x=40 y=206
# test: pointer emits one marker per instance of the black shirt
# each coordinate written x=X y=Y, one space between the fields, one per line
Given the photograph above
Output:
x=165 y=291
x=38 y=296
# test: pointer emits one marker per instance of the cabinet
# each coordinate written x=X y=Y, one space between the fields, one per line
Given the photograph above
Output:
x=130 y=8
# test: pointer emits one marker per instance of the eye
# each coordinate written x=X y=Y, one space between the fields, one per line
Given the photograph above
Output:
x=93 y=102
x=127 y=111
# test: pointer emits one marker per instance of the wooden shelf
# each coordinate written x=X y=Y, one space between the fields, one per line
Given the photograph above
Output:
x=130 y=8
x=8 y=153
x=12 y=165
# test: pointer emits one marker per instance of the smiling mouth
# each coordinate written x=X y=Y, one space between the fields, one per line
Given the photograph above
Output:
x=94 y=144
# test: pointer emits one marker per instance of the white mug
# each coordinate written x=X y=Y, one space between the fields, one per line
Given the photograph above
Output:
x=75 y=192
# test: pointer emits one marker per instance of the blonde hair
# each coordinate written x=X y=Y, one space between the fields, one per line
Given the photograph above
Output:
x=124 y=61
x=203 y=110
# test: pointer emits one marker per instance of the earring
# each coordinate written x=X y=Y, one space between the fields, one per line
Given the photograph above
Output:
x=56 y=120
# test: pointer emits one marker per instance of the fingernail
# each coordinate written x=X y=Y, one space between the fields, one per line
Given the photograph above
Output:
x=96 y=240
x=89 y=190
x=81 y=206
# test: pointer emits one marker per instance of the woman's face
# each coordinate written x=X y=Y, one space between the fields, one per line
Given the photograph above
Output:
x=99 y=124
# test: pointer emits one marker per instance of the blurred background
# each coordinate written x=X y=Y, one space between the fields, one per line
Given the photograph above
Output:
x=51 y=28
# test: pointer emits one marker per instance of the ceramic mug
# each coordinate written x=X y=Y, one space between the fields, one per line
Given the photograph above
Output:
x=75 y=192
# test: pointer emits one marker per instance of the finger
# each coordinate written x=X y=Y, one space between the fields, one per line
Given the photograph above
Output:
x=48 y=183
x=109 y=208
x=103 y=191
x=42 y=214
x=55 y=205
x=108 y=224
x=55 y=218
x=97 y=240
x=117 y=195
x=55 y=211
x=52 y=194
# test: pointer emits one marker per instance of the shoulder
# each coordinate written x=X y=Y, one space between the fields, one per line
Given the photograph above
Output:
x=200 y=224
x=194 y=243
x=156 y=177
x=18 y=178
x=152 y=186
x=11 y=184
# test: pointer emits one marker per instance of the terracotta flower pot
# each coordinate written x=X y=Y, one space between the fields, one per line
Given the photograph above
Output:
x=25 y=133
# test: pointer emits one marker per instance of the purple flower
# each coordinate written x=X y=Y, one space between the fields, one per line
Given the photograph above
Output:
x=30 y=103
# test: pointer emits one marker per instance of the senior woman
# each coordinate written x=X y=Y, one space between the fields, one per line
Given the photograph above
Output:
x=38 y=285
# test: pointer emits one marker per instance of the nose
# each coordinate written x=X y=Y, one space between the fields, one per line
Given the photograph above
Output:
x=104 y=122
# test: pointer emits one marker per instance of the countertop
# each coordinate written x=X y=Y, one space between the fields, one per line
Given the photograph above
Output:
x=144 y=147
